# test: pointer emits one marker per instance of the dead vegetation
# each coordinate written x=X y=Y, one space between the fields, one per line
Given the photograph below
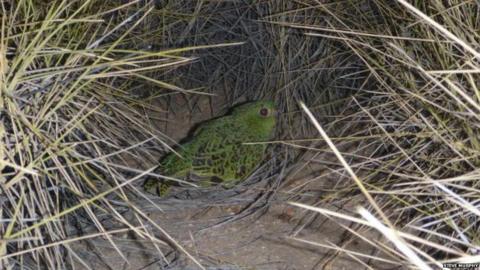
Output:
x=92 y=93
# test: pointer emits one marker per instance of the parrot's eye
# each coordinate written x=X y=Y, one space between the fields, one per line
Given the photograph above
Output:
x=264 y=112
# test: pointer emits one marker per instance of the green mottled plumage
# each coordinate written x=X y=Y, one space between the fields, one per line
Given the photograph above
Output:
x=217 y=151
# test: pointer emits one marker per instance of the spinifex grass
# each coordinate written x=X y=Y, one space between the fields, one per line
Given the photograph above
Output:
x=415 y=121
x=70 y=128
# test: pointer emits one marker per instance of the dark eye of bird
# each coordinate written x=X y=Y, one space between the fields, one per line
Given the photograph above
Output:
x=263 y=112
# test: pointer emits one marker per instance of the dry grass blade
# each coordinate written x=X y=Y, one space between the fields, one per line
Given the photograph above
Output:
x=393 y=237
x=70 y=126
x=345 y=164
x=420 y=77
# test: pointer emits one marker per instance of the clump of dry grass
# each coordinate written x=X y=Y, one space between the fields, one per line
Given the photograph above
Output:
x=80 y=79
x=413 y=122
x=73 y=137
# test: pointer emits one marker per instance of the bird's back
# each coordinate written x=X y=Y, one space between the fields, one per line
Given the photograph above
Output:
x=216 y=149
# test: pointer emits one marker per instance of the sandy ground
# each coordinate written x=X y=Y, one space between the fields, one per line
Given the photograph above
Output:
x=268 y=242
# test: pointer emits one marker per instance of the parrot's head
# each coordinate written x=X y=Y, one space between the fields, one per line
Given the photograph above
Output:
x=258 y=116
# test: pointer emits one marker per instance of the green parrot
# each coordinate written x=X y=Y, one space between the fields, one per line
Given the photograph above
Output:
x=217 y=152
